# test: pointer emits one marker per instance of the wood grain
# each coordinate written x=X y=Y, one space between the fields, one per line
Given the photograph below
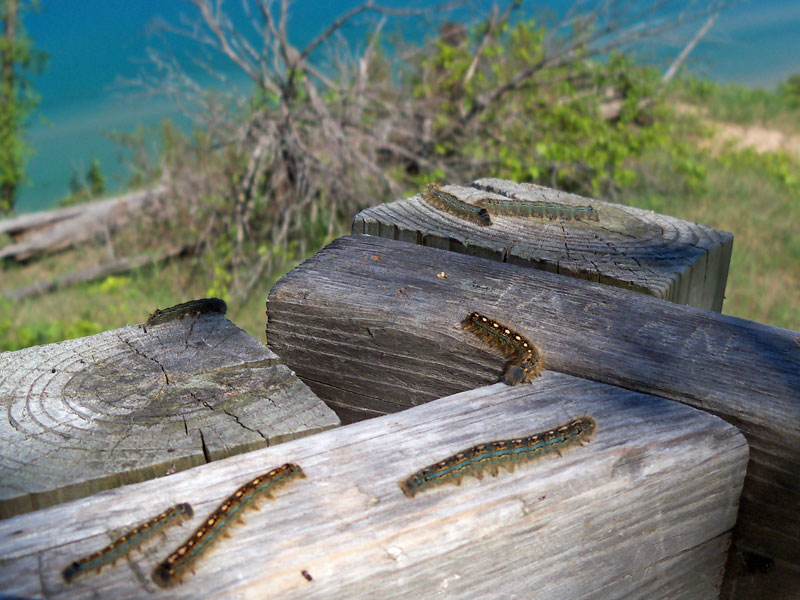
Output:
x=630 y=248
x=369 y=325
x=643 y=511
x=127 y=405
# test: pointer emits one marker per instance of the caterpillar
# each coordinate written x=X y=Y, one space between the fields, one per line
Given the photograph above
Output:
x=447 y=202
x=192 y=308
x=526 y=359
x=131 y=540
x=181 y=560
x=504 y=453
x=534 y=208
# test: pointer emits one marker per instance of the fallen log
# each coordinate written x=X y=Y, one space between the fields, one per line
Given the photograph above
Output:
x=121 y=265
x=51 y=231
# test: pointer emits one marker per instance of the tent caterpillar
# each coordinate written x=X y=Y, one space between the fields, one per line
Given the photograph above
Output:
x=504 y=453
x=129 y=541
x=526 y=359
x=449 y=203
x=192 y=308
x=182 y=559
x=535 y=208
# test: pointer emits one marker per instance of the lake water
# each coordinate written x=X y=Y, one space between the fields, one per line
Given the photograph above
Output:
x=94 y=43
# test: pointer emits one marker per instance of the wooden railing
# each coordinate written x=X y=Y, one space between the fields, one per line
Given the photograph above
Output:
x=659 y=503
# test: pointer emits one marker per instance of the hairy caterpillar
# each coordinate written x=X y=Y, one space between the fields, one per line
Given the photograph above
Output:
x=534 y=208
x=447 y=202
x=504 y=453
x=188 y=309
x=131 y=540
x=526 y=359
x=180 y=561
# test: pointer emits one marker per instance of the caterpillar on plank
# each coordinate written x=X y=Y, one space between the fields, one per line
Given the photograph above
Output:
x=181 y=560
x=192 y=308
x=449 y=203
x=491 y=456
x=525 y=358
x=129 y=541
x=535 y=208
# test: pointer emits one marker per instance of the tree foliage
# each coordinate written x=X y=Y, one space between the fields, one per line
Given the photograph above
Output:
x=17 y=98
x=85 y=188
x=330 y=128
x=790 y=91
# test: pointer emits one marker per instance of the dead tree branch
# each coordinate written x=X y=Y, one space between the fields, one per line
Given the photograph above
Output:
x=676 y=64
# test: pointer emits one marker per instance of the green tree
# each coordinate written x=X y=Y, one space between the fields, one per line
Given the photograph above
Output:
x=790 y=90
x=96 y=179
x=17 y=98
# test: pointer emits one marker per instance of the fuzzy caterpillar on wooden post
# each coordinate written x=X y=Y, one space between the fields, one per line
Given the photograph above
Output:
x=181 y=560
x=129 y=541
x=526 y=358
x=192 y=308
x=536 y=208
x=449 y=203
x=505 y=454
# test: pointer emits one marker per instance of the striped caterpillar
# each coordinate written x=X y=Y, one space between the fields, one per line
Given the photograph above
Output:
x=535 y=208
x=525 y=358
x=192 y=308
x=449 y=203
x=181 y=560
x=131 y=540
x=492 y=456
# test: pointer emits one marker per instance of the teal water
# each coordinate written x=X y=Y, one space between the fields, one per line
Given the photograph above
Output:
x=94 y=43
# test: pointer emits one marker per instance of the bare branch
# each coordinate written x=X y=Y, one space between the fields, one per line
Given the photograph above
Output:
x=676 y=64
x=371 y=6
x=214 y=24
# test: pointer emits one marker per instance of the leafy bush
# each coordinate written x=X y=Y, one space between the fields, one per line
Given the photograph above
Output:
x=576 y=125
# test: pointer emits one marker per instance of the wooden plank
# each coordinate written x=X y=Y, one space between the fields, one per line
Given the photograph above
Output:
x=130 y=404
x=370 y=319
x=630 y=248
x=717 y=274
x=652 y=499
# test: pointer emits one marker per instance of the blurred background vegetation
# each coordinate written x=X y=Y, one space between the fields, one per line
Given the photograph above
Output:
x=262 y=180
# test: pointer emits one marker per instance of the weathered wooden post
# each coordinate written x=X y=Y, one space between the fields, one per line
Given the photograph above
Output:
x=134 y=403
x=375 y=328
x=625 y=247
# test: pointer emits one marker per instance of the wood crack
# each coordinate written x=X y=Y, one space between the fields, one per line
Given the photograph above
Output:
x=143 y=355
x=206 y=453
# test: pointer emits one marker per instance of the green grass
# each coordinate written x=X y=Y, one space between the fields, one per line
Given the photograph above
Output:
x=115 y=302
x=740 y=104
x=757 y=198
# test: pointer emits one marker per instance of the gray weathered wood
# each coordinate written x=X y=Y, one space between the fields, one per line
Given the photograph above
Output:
x=121 y=406
x=369 y=325
x=643 y=511
x=631 y=248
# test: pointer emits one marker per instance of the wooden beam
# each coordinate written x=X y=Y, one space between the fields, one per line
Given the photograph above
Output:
x=628 y=247
x=373 y=326
x=643 y=511
x=131 y=404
